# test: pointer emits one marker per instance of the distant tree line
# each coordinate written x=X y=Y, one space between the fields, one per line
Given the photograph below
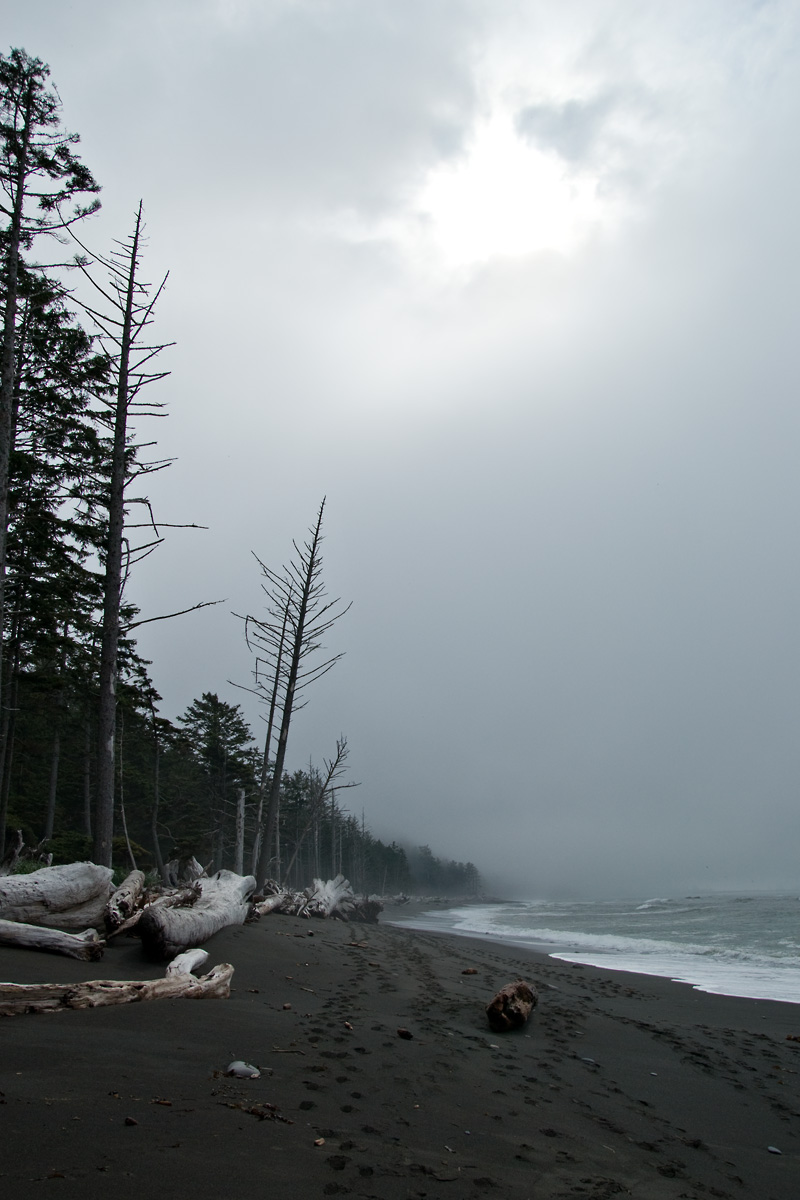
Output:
x=182 y=788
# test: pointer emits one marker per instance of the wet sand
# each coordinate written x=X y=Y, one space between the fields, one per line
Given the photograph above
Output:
x=619 y=1085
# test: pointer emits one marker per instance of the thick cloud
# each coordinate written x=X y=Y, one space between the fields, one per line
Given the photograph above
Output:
x=561 y=486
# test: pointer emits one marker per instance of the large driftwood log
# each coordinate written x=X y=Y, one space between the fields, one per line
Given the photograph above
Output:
x=512 y=1006
x=86 y=945
x=224 y=900
x=17 y=998
x=125 y=901
x=69 y=897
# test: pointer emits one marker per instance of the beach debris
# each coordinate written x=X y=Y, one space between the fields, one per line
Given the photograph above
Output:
x=224 y=900
x=405 y=1033
x=87 y=945
x=188 y=962
x=18 y=998
x=159 y=897
x=793 y=1037
x=183 y=870
x=774 y=1150
x=131 y=1121
x=325 y=898
x=512 y=1006
x=125 y=901
x=470 y=971
x=242 y=1070
x=319 y=1141
x=70 y=897
x=262 y=1110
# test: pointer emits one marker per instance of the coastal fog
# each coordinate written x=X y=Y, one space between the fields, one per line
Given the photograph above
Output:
x=515 y=287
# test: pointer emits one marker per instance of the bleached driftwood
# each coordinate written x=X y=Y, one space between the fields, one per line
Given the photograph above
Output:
x=17 y=998
x=224 y=900
x=125 y=901
x=68 y=897
x=180 y=897
x=188 y=962
x=512 y=1006
x=334 y=898
x=86 y=945
x=183 y=870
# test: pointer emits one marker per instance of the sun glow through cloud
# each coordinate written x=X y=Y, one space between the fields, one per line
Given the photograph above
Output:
x=504 y=198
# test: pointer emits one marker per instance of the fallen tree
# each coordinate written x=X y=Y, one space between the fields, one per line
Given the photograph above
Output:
x=86 y=945
x=224 y=900
x=19 y=998
x=67 y=897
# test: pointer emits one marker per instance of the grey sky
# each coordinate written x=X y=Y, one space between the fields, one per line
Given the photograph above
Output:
x=515 y=286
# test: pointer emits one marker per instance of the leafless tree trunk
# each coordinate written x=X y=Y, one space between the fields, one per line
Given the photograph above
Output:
x=298 y=601
x=125 y=313
x=238 y=857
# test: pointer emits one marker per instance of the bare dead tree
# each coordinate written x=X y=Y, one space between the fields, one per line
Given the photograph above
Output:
x=122 y=312
x=287 y=641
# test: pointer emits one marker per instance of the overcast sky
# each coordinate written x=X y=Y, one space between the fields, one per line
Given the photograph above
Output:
x=515 y=286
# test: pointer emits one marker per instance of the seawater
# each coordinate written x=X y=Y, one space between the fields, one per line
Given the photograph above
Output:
x=725 y=944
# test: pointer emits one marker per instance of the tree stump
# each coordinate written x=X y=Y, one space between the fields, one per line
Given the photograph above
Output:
x=512 y=1006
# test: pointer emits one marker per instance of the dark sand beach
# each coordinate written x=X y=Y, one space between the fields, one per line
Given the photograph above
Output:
x=619 y=1085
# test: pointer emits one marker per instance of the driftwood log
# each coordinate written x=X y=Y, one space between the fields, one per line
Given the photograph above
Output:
x=188 y=962
x=18 y=998
x=223 y=900
x=334 y=898
x=180 y=897
x=125 y=901
x=512 y=1006
x=68 y=897
x=86 y=945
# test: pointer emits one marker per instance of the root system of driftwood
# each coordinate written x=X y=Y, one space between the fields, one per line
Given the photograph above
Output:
x=19 y=998
x=334 y=898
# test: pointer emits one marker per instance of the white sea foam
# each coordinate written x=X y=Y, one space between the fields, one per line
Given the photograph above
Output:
x=717 y=944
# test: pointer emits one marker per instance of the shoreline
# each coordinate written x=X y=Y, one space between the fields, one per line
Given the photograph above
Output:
x=707 y=977
x=620 y=1084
